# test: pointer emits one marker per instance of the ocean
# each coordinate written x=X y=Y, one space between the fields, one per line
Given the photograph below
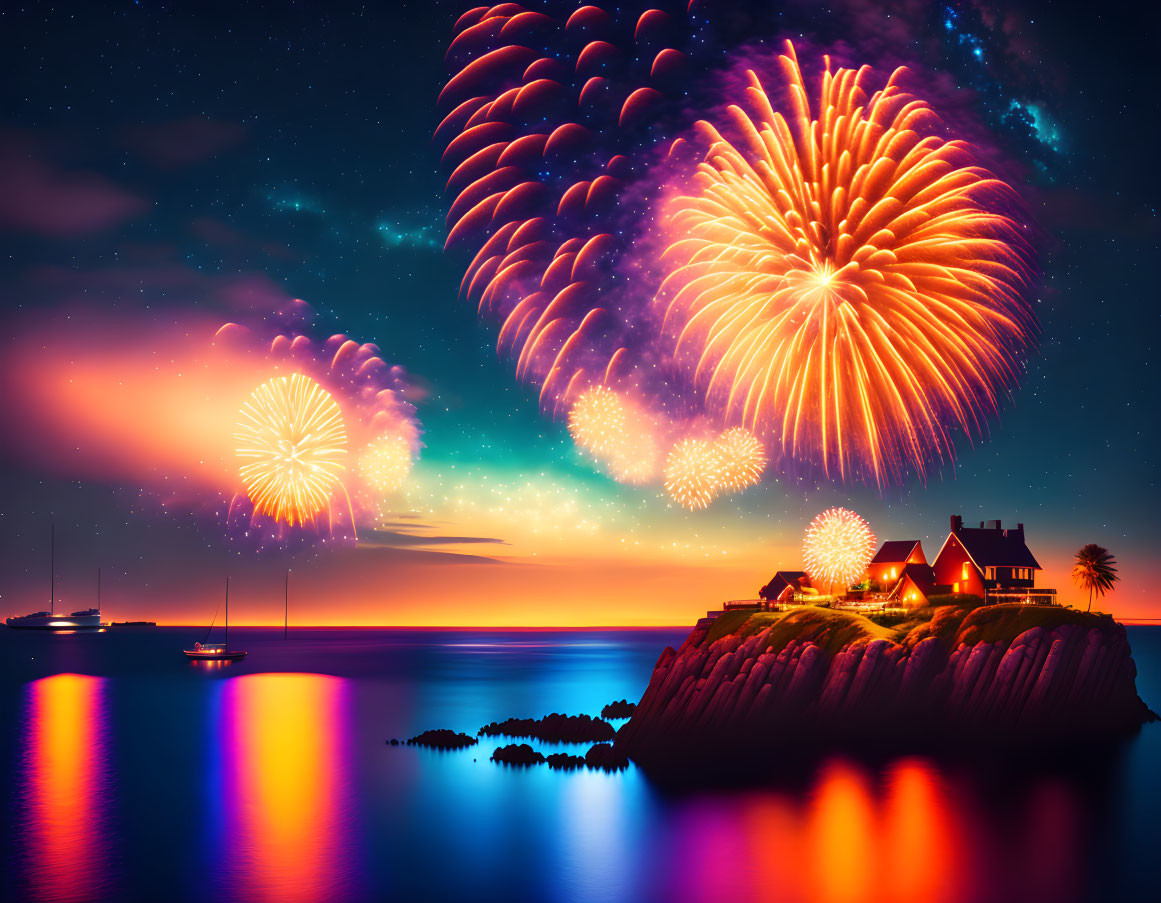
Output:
x=135 y=775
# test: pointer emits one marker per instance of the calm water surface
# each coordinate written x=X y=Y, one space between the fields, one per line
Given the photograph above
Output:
x=135 y=775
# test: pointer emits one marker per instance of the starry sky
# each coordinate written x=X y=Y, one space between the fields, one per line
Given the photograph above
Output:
x=165 y=168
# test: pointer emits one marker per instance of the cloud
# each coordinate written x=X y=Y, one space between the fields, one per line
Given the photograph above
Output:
x=40 y=198
x=414 y=546
x=181 y=142
x=398 y=539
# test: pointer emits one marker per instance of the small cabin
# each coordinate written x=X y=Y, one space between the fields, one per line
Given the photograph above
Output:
x=892 y=559
x=783 y=585
x=985 y=559
x=916 y=586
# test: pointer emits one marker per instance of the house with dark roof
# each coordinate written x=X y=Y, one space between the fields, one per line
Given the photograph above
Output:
x=986 y=559
x=892 y=558
x=915 y=586
x=784 y=585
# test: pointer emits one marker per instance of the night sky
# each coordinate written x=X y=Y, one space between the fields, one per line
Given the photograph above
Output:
x=165 y=168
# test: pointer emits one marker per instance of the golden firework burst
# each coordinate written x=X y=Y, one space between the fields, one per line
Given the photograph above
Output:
x=597 y=421
x=742 y=459
x=293 y=442
x=837 y=548
x=691 y=473
x=841 y=280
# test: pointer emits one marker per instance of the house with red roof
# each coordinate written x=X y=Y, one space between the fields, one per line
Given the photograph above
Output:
x=892 y=558
x=916 y=586
x=986 y=561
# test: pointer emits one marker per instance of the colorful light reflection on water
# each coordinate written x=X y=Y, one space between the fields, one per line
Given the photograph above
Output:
x=64 y=788
x=158 y=781
x=279 y=799
x=908 y=831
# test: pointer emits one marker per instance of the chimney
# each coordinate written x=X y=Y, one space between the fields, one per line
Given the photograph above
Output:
x=956 y=523
x=981 y=525
x=993 y=525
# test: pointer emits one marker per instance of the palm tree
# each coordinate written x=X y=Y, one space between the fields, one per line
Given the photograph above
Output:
x=1095 y=570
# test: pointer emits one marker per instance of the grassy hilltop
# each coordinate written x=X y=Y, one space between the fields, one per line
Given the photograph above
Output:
x=954 y=619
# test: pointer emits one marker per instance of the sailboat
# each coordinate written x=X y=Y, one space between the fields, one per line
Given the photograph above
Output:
x=216 y=652
x=89 y=619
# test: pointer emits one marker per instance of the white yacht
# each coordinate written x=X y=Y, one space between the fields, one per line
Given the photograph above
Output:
x=89 y=619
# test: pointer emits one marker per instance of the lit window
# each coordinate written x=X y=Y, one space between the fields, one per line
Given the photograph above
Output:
x=892 y=573
x=963 y=572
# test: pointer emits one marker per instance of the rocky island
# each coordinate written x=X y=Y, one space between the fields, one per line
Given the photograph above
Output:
x=751 y=681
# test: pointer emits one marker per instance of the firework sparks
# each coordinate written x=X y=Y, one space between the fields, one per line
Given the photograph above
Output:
x=597 y=422
x=837 y=548
x=691 y=473
x=742 y=459
x=386 y=463
x=839 y=283
x=637 y=458
x=292 y=438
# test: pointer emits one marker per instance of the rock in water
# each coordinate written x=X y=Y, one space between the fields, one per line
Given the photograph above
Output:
x=607 y=757
x=622 y=708
x=555 y=728
x=441 y=738
x=517 y=754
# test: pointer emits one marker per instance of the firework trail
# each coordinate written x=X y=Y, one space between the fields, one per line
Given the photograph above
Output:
x=837 y=548
x=837 y=277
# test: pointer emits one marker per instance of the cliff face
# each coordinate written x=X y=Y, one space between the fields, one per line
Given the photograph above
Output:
x=811 y=674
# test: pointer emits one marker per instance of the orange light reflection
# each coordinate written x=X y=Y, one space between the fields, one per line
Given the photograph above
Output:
x=287 y=838
x=64 y=784
x=842 y=837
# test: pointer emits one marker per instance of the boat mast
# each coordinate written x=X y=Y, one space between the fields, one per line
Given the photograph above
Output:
x=286 y=604
x=98 y=589
x=227 y=612
x=52 y=568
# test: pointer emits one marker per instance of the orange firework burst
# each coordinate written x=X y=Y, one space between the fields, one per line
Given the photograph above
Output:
x=742 y=459
x=837 y=548
x=386 y=463
x=291 y=433
x=840 y=283
x=691 y=473
x=597 y=421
